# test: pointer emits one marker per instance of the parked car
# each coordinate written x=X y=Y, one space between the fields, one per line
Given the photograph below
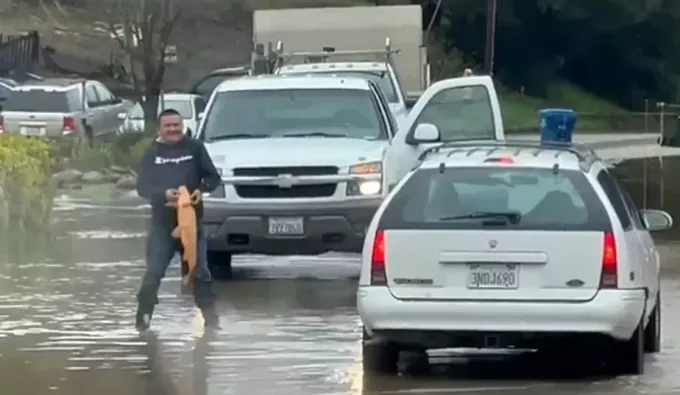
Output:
x=511 y=245
x=62 y=108
x=188 y=105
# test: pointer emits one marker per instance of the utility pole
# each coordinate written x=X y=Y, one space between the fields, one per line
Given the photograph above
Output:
x=490 y=47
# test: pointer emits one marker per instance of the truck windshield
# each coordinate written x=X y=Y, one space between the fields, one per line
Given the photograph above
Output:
x=381 y=78
x=294 y=112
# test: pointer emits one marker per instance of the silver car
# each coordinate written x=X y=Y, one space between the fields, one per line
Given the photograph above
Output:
x=62 y=108
x=189 y=106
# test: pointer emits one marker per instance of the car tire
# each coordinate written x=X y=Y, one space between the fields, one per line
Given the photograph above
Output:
x=628 y=356
x=219 y=263
x=653 y=330
x=379 y=357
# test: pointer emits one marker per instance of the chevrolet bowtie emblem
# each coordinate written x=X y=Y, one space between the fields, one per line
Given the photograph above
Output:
x=285 y=181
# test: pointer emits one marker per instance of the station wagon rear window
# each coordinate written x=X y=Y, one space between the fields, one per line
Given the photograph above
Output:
x=538 y=199
x=294 y=112
x=42 y=101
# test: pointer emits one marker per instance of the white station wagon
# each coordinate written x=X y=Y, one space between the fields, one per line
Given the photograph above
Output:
x=511 y=245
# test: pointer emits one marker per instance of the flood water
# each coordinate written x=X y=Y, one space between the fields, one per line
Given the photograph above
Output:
x=289 y=324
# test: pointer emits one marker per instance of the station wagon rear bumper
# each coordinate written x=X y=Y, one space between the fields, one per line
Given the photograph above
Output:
x=614 y=313
x=328 y=226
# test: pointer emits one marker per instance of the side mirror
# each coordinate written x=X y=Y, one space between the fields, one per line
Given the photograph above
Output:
x=121 y=115
x=200 y=115
x=425 y=133
x=656 y=220
x=189 y=133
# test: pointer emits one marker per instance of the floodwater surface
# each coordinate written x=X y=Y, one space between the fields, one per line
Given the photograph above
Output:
x=289 y=324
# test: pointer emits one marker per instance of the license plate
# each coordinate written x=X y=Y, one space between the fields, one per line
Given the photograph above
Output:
x=493 y=276
x=31 y=131
x=286 y=226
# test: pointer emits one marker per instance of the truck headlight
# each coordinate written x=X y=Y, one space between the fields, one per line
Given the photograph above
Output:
x=367 y=187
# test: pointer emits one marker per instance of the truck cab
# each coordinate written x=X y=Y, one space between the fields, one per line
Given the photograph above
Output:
x=382 y=73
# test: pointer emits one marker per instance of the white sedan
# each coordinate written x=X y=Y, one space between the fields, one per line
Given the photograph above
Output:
x=189 y=106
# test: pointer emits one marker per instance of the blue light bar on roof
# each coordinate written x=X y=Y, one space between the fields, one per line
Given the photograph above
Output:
x=557 y=125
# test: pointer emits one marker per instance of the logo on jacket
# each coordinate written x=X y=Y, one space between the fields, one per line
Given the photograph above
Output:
x=161 y=161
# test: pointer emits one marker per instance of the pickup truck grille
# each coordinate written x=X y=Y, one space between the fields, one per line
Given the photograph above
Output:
x=297 y=191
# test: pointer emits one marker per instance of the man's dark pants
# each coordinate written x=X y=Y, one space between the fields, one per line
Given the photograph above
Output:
x=160 y=249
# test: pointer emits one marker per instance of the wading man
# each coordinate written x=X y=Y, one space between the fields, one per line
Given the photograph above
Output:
x=174 y=160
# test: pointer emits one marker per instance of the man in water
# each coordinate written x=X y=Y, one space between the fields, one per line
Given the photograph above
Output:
x=171 y=161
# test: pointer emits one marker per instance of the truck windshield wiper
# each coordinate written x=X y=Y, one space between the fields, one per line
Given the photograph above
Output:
x=237 y=136
x=314 y=134
x=512 y=217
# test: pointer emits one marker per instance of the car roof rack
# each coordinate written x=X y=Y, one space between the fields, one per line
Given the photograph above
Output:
x=384 y=54
x=585 y=155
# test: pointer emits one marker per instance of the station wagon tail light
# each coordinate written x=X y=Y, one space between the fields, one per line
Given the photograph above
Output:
x=378 y=276
x=609 y=262
x=69 y=125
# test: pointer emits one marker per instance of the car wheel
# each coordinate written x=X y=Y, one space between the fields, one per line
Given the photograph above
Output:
x=219 y=263
x=628 y=355
x=653 y=329
x=379 y=356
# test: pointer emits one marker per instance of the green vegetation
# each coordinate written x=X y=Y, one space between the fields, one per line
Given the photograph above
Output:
x=521 y=111
x=25 y=191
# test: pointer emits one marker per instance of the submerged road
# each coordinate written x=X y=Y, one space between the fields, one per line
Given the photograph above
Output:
x=290 y=327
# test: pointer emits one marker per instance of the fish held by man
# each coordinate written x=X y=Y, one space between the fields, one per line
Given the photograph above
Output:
x=186 y=231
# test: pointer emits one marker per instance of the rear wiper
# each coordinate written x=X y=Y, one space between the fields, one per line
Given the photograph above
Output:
x=237 y=136
x=512 y=217
x=314 y=134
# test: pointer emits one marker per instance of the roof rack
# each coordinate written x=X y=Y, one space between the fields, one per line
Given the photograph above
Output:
x=586 y=155
x=322 y=56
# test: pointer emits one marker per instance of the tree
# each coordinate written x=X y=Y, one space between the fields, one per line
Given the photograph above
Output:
x=142 y=29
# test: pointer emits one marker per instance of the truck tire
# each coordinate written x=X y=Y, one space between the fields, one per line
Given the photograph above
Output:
x=219 y=263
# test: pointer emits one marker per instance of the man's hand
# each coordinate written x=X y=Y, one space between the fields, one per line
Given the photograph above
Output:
x=196 y=196
x=171 y=195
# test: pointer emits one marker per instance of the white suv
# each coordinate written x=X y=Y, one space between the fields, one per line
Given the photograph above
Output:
x=511 y=245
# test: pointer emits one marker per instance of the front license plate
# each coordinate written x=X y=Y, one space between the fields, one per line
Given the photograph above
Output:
x=493 y=276
x=286 y=226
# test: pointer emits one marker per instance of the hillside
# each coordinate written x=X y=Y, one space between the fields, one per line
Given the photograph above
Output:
x=218 y=33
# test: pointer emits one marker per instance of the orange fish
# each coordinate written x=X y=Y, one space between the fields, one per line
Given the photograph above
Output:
x=186 y=231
